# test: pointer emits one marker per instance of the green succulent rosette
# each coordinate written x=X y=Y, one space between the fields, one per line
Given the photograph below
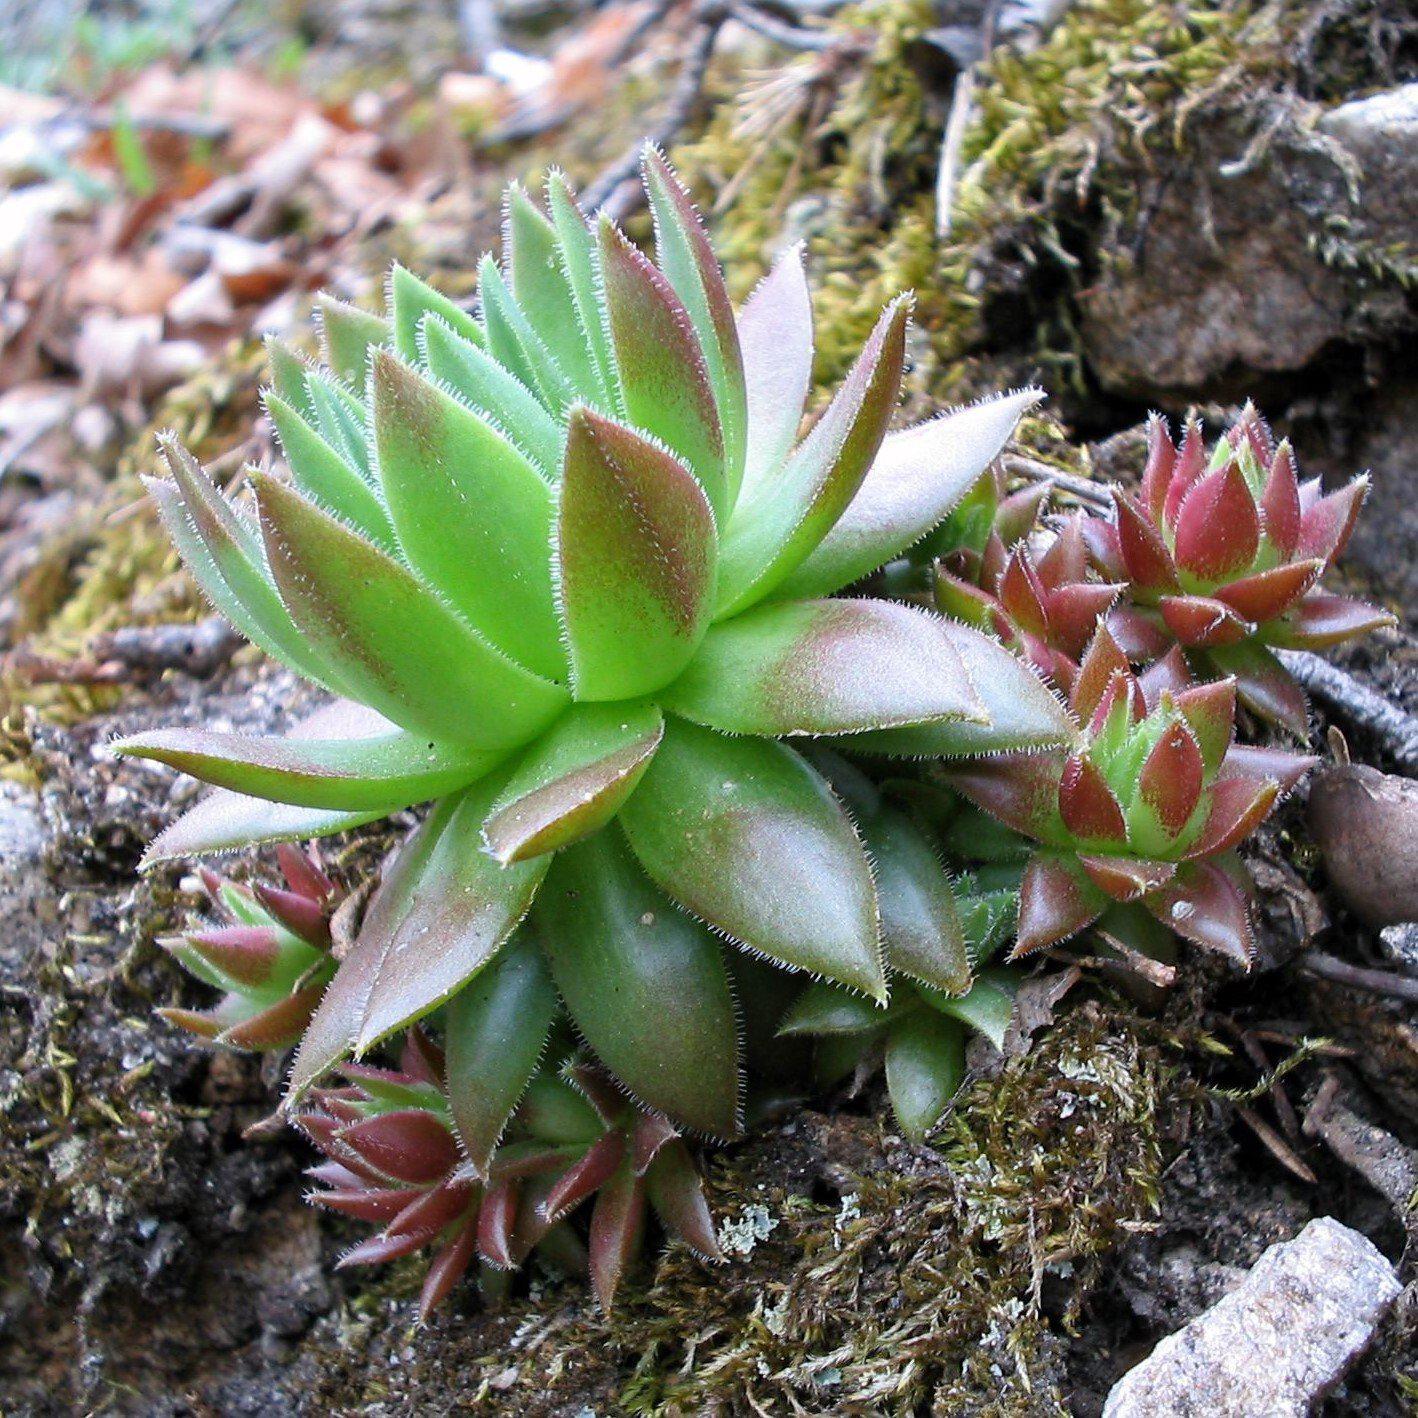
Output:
x=567 y=567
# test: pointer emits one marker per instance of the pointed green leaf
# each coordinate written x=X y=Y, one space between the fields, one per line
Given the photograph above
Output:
x=402 y=651
x=919 y=475
x=574 y=779
x=494 y=1034
x=635 y=552
x=371 y=769
x=346 y=336
x=339 y=418
x=472 y=373
x=1021 y=711
x=222 y=821
x=330 y=1036
x=925 y=1065
x=582 y=267
x=684 y=254
x=462 y=909
x=472 y=514
x=663 y=377
x=828 y=1010
x=515 y=344
x=327 y=477
x=775 y=332
x=644 y=984
x=746 y=836
x=920 y=925
x=288 y=374
x=224 y=556
x=783 y=518
x=411 y=300
x=825 y=667
x=989 y=1006
x=542 y=289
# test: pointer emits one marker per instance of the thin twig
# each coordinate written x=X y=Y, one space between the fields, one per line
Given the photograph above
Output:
x=1392 y=726
x=479 y=29
x=780 y=31
x=1376 y=982
x=615 y=191
x=962 y=108
x=1035 y=471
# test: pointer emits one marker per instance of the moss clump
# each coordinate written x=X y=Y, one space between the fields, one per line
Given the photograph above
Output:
x=847 y=155
x=921 y=1281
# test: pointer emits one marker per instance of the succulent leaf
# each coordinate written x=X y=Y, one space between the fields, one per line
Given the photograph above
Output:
x=920 y=474
x=411 y=302
x=443 y=466
x=780 y=522
x=485 y=385
x=635 y=557
x=925 y=1065
x=826 y=667
x=663 y=376
x=747 y=837
x=347 y=334
x=376 y=772
x=574 y=779
x=411 y=657
x=494 y=1033
x=644 y=984
x=775 y=334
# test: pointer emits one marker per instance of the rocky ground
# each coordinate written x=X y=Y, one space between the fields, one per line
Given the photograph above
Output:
x=1155 y=205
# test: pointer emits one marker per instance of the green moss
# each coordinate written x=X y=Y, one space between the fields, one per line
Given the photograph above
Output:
x=847 y=155
x=918 y=1284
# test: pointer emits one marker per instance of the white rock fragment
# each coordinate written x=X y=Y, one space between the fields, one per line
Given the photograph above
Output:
x=1276 y=1343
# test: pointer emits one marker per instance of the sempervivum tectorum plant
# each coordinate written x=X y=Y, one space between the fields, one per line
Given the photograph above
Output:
x=1043 y=603
x=395 y=1158
x=565 y=564
x=270 y=955
x=919 y=1039
x=1143 y=813
x=1224 y=553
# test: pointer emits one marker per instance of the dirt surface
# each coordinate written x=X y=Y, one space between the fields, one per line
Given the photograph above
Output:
x=1087 y=1196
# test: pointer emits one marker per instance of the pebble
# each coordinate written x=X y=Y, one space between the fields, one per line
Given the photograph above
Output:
x=1277 y=1343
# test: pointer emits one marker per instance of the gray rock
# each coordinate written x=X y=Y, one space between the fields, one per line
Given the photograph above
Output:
x=1275 y=1344
x=1400 y=944
x=1257 y=258
x=1382 y=135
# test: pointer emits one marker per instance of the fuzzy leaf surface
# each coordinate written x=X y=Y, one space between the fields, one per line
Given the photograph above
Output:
x=472 y=513
x=745 y=835
x=1020 y=711
x=406 y=654
x=574 y=779
x=783 y=518
x=663 y=375
x=635 y=554
x=775 y=335
x=494 y=1034
x=925 y=1064
x=920 y=925
x=825 y=667
x=372 y=770
x=915 y=481
x=643 y=982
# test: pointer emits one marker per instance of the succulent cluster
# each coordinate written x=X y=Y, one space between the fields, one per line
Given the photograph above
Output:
x=1223 y=553
x=270 y=957
x=1144 y=810
x=396 y=1157
x=568 y=566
